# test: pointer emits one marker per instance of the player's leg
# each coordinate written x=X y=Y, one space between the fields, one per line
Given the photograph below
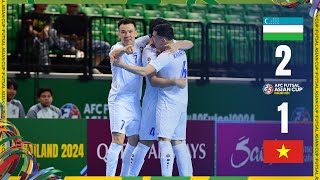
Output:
x=130 y=146
x=113 y=153
x=180 y=147
x=118 y=117
x=183 y=158
x=166 y=156
x=167 y=121
x=132 y=131
x=147 y=135
x=138 y=155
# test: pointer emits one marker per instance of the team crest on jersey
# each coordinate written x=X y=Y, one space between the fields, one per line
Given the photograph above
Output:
x=70 y=111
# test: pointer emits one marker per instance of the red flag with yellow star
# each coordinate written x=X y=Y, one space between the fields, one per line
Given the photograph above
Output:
x=283 y=151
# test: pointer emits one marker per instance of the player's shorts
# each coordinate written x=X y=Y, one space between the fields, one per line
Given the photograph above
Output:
x=171 y=122
x=124 y=117
x=148 y=129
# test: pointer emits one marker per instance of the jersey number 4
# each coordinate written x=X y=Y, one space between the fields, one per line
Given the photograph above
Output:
x=184 y=70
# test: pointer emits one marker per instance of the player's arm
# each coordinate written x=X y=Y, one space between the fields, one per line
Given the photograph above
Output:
x=116 y=53
x=183 y=44
x=142 y=71
x=162 y=82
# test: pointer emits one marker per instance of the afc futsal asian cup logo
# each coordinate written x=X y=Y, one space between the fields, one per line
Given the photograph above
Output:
x=268 y=89
x=281 y=88
x=70 y=111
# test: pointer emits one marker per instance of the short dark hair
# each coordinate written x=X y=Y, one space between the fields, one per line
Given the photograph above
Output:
x=127 y=21
x=42 y=90
x=164 y=30
x=10 y=83
x=155 y=22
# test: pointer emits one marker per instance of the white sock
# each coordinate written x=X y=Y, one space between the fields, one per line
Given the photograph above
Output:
x=183 y=159
x=112 y=159
x=126 y=159
x=137 y=159
x=166 y=159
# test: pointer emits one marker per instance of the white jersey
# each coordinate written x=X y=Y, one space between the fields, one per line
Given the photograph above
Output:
x=39 y=111
x=151 y=93
x=15 y=109
x=125 y=85
x=172 y=66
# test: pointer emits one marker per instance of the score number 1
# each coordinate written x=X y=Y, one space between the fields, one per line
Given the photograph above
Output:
x=280 y=71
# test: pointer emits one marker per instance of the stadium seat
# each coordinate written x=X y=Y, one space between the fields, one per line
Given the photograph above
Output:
x=253 y=10
x=91 y=11
x=12 y=10
x=53 y=9
x=133 y=13
x=100 y=6
x=112 y=12
x=238 y=43
x=116 y=6
x=271 y=11
x=217 y=48
x=235 y=9
x=217 y=9
x=199 y=8
x=107 y=29
x=111 y=37
x=28 y=7
x=196 y=16
x=152 y=14
x=215 y=18
x=182 y=8
x=140 y=7
x=192 y=32
x=160 y=7
x=173 y=14
x=234 y=19
x=253 y=20
x=63 y=9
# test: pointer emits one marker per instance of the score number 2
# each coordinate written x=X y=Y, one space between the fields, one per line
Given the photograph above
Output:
x=280 y=71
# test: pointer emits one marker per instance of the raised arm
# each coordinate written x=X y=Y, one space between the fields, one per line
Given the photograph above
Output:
x=183 y=44
x=116 y=53
x=162 y=82
x=142 y=71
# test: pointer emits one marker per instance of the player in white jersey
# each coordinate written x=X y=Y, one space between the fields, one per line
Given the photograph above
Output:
x=148 y=130
x=15 y=108
x=124 y=97
x=172 y=101
x=44 y=109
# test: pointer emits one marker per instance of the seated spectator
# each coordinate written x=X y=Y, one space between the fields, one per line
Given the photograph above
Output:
x=44 y=109
x=38 y=25
x=73 y=26
x=15 y=108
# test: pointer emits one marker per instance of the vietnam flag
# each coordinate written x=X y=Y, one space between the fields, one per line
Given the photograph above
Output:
x=283 y=151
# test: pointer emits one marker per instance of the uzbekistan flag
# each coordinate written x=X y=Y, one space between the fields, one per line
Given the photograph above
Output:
x=283 y=28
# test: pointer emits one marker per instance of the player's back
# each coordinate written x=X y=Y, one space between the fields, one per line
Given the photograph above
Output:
x=175 y=67
x=151 y=93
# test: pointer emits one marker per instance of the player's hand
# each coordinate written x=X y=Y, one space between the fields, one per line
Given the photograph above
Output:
x=129 y=49
x=118 y=62
x=181 y=83
x=172 y=47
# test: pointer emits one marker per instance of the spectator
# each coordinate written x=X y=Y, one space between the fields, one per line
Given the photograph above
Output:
x=15 y=108
x=38 y=25
x=44 y=109
x=73 y=26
